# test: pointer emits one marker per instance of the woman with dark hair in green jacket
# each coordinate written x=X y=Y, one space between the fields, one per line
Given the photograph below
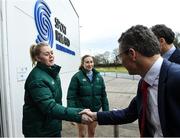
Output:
x=42 y=109
x=87 y=90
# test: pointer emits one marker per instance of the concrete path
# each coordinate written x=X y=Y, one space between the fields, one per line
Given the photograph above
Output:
x=120 y=92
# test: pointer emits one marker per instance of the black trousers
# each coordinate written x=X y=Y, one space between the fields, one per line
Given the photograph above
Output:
x=58 y=135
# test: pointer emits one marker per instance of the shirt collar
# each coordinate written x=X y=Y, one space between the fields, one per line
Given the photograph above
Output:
x=169 y=52
x=153 y=72
x=89 y=72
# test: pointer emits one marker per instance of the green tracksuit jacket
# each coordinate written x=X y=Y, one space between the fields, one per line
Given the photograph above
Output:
x=43 y=110
x=85 y=94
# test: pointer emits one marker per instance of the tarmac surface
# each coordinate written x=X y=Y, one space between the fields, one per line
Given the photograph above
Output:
x=120 y=92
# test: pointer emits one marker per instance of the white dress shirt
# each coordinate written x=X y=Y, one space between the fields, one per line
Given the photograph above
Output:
x=169 y=52
x=152 y=78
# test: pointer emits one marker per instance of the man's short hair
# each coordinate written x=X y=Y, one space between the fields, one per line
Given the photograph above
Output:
x=162 y=31
x=141 y=39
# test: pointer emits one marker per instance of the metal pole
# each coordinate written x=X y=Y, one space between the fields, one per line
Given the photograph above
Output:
x=116 y=128
x=116 y=131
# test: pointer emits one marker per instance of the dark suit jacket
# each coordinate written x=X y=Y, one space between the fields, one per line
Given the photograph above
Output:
x=168 y=104
x=175 y=57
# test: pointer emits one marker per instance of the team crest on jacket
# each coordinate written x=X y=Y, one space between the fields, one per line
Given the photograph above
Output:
x=84 y=79
x=97 y=79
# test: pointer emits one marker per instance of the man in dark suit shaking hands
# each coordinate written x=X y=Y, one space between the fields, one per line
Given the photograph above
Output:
x=140 y=54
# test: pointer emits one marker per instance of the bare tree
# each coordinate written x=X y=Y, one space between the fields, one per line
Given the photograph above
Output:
x=97 y=59
x=106 y=56
x=102 y=58
x=115 y=54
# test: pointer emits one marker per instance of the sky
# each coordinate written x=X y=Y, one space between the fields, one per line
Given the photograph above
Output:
x=103 y=21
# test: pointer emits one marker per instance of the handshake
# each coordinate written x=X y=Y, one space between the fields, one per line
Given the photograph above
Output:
x=88 y=116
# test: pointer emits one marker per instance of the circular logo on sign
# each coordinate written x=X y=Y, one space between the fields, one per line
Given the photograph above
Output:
x=42 y=15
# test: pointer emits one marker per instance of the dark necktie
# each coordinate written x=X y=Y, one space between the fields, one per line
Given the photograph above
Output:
x=144 y=87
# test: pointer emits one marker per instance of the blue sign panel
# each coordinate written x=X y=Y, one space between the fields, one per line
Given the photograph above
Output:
x=42 y=15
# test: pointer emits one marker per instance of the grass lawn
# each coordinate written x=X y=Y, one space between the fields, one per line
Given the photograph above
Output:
x=112 y=69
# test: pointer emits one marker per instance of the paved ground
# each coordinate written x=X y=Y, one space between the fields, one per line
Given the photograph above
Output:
x=120 y=92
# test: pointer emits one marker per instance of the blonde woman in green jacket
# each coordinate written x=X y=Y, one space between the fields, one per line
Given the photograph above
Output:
x=42 y=109
x=87 y=90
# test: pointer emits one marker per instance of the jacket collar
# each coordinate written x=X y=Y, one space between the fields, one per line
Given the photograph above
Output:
x=175 y=55
x=52 y=71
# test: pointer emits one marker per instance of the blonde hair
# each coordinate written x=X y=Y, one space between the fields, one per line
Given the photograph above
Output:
x=82 y=60
x=35 y=50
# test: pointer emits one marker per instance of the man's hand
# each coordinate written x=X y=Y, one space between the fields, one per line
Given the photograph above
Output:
x=85 y=119
x=73 y=123
x=88 y=112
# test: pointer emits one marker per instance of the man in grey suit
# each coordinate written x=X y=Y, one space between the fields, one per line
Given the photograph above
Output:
x=166 y=37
